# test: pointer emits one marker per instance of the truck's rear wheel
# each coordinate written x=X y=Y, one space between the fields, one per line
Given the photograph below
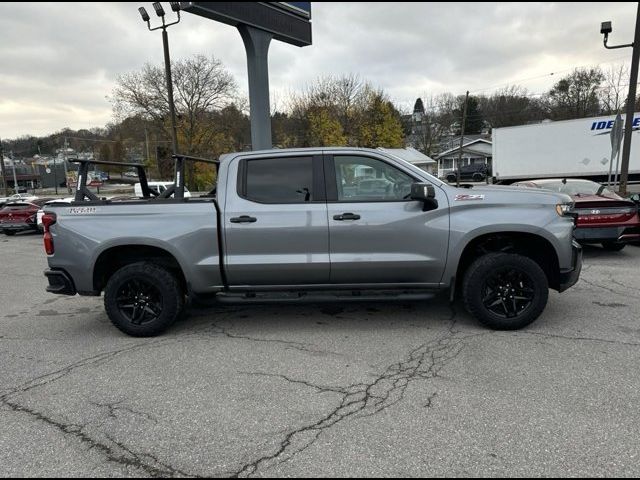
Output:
x=505 y=291
x=143 y=299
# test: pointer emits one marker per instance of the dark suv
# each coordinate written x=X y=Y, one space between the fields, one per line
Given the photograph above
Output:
x=476 y=172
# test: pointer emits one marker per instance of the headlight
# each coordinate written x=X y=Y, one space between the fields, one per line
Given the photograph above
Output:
x=564 y=209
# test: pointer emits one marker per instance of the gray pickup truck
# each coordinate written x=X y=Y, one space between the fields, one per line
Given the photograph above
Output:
x=310 y=225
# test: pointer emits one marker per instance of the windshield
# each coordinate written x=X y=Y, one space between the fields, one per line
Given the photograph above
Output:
x=576 y=187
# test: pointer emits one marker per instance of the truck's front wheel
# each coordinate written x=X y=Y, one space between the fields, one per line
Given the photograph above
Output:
x=143 y=299
x=505 y=291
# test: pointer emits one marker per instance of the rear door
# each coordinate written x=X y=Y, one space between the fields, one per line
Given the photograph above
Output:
x=377 y=234
x=275 y=222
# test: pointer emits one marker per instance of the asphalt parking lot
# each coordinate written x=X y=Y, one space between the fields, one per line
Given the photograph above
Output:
x=378 y=389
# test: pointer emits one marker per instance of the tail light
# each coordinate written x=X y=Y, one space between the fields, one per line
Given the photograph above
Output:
x=48 y=219
x=590 y=216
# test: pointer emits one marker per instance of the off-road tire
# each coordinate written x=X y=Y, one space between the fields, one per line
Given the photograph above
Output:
x=496 y=276
x=161 y=300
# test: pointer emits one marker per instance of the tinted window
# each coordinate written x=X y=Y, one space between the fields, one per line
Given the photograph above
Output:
x=362 y=179
x=279 y=180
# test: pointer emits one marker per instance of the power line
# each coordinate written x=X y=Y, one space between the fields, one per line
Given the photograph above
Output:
x=514 y=82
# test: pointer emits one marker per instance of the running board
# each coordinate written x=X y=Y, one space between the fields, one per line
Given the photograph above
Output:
x=318 y=297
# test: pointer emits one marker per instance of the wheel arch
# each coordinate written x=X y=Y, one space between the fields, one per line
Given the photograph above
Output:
x=113 y=258
x=530 y=245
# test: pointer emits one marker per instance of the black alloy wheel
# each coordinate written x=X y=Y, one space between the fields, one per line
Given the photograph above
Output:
x=508 y=292
x=143 y=299
x=505 y=291
x=139 y=301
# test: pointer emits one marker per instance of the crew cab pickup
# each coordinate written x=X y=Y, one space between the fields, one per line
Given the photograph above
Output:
x=309 y=225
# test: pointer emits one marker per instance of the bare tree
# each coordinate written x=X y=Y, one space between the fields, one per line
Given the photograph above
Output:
x=201 y=85
x=426 y=127
x=613 y=94
x=512 y=105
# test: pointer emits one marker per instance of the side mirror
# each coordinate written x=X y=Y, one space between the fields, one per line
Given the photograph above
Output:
x=424 y=192
x=635 y=198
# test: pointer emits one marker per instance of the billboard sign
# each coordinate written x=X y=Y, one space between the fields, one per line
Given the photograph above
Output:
x=289 y=22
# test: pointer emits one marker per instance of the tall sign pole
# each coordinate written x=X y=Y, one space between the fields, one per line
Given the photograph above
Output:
x=258 y=24
x=256 y=43
x=606 y=29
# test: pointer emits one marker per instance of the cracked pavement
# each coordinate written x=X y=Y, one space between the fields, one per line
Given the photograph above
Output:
x=354 y=389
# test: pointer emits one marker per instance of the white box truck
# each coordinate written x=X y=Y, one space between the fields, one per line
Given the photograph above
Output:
x=578 y=148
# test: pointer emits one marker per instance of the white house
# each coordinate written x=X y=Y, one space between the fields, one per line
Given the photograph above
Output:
x=476 y=151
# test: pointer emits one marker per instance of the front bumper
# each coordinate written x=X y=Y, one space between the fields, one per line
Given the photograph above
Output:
x=60 y=282
x=16 y=227
x=569 y=277
x=607 y=234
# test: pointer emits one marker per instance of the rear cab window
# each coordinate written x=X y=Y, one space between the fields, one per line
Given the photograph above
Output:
x=278 y=180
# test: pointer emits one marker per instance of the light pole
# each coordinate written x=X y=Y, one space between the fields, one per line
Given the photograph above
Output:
x=175 y=6
x=606 y=29
x=4 y=173
x=15 y=179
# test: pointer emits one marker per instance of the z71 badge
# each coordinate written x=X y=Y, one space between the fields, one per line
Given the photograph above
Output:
x=463 y=197
x=82 y=210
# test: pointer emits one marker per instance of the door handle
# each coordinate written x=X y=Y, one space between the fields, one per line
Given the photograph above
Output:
x=243 y=219
x=347 y=216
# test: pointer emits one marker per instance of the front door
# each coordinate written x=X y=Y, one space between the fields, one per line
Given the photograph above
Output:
x=376 y=233
x=275 y=222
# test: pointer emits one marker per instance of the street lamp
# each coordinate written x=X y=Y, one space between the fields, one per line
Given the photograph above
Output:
x=157 y=6
x=605 y=29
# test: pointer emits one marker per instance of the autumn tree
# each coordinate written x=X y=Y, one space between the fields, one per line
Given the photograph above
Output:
x=345 y=111
x=381 y=126
x=324 y=129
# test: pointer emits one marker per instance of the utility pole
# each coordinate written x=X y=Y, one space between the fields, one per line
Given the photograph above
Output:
x=4 y=173
x=15 y=179
x=606 y=29
x=464 y=121
x=631 y=104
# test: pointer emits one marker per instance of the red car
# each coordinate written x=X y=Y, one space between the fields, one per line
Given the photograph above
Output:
x=19 y=216
x=603 y=216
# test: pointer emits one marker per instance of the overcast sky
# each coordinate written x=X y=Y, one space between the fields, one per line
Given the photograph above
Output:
x=59 y=61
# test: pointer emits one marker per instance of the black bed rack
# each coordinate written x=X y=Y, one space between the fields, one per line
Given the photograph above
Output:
x=177 y=189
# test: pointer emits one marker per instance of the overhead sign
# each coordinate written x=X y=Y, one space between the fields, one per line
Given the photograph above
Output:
x=299 y=8
x=289 y=22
